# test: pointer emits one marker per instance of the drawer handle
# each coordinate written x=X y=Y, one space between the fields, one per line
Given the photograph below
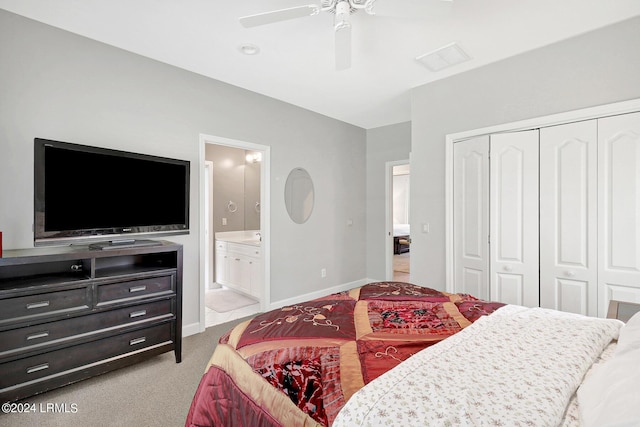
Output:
x=38 y=335
x=137 y=341
x=237 y=259
x=137 y=313
x=138 y=288
x=38 y=368
x=40 y=304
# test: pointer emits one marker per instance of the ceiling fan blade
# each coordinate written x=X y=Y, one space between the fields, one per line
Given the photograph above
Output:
x=279 y=15
x=434 y=9
x=343 y=47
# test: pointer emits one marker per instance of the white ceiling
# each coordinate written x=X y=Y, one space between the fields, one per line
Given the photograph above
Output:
x=296 y=62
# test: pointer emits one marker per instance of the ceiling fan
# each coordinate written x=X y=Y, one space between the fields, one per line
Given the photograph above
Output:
x=343 y=9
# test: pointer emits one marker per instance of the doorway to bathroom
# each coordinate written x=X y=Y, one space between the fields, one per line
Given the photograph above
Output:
x=234 y=220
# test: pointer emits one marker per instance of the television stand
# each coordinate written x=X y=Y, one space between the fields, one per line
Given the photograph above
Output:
x=127 y=243
x=71 y=313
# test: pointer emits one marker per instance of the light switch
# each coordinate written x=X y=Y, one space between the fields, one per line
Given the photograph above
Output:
x=425 y=227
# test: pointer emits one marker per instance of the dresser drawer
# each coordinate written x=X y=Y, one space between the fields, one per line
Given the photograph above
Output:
x=49 y=364
x=142 y=288
x=44 y=304
x=23 y=339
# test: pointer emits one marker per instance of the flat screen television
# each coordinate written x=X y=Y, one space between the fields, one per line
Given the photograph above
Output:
x=90 y=194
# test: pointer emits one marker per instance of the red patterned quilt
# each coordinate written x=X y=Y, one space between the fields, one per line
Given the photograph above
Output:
x=298 y=365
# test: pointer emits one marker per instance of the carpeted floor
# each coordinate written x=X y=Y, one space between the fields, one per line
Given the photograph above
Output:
x=156 y=392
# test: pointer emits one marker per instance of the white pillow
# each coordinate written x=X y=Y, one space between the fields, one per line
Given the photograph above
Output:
x=610 y=396
x=629 y=335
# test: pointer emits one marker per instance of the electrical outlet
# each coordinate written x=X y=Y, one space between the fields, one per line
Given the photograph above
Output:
x=323 y=273
x=224 y=221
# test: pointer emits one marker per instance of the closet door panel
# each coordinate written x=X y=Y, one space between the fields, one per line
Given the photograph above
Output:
x=471 y=217
x=573 y=296
x=619 y=204
x=568 y=217
x=514 y=218
x=509 y=288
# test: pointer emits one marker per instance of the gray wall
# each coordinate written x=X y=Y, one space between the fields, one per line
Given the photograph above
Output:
x=593 y=69
x=58 y=85
x=236 y=180
x=384 y=144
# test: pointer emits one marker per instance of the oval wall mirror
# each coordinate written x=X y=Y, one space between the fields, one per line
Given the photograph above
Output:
x=299 y=195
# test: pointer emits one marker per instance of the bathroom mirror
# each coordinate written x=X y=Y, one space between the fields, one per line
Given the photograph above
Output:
x=299 y=195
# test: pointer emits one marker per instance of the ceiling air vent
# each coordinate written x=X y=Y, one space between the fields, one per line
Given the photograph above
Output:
x=443 y=57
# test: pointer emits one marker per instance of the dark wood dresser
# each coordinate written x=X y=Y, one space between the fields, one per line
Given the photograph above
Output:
x=70 y=313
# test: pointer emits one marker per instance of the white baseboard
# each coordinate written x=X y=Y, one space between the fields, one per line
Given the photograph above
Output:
x=318 y=294
x=192 y=329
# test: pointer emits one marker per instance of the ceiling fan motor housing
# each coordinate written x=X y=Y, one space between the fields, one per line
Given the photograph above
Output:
x=353 y=5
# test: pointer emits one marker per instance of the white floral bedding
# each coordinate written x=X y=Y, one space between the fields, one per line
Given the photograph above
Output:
x=516 y=367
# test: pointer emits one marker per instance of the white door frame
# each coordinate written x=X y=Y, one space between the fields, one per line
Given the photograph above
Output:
x=388 y=197
x=551 y=120
x=265 y=214
x=208 y=185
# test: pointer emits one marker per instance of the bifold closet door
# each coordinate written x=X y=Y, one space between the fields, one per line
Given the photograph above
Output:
x=568 y=217
x=471 y=216
x=513 y=216
x=619 y=209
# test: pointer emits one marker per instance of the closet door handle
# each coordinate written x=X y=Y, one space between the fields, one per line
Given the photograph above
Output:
x=508 y=268
x=569 y=273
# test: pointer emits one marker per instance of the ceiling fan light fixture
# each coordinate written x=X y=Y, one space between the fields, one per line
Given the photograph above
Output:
x=444 y=57
x=249 y=49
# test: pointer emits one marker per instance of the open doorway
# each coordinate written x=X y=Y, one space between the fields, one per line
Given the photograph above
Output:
x=398 y=218
x=235 y=224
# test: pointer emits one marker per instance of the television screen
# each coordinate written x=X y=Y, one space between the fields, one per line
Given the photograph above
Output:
x=87 y=193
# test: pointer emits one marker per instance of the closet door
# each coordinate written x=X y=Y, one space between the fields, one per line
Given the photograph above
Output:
x=514 y=218
x=619 y=209
x=568 y=218
x=471 y=216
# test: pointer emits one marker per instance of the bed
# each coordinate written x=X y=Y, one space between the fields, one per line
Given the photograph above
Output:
x=397 y=353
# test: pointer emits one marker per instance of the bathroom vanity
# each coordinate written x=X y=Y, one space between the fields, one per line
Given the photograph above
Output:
x=239 y=261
